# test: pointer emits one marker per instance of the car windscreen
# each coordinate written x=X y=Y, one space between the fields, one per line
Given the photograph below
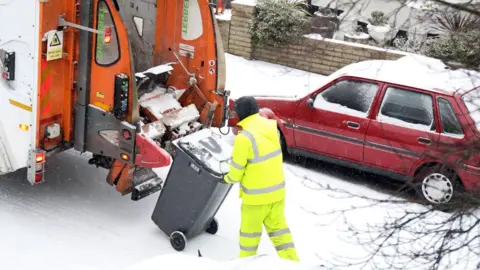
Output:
x=472 y=101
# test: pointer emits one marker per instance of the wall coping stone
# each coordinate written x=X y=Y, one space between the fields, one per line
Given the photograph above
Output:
x=245 y=2
x=354 y=44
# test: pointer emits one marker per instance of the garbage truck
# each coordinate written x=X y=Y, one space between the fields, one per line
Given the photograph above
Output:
x=117 y=79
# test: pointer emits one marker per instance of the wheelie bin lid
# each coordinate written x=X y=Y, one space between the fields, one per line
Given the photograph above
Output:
x=209 y=149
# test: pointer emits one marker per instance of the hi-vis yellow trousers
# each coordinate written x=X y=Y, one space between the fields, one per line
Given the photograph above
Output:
x=273 y=217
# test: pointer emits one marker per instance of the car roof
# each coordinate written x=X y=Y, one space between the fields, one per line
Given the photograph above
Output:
x=415 y=71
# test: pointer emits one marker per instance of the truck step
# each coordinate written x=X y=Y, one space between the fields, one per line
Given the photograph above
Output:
x=145 y=183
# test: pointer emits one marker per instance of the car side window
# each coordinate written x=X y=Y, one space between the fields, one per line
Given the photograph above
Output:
x=407 y=108
x=347 y=96
x=450 y=124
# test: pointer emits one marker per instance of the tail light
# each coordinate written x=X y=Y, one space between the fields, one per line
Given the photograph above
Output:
x=125 y=157
x=40 y=157
x=39 y=166
x=107 y=36
x=219 y=9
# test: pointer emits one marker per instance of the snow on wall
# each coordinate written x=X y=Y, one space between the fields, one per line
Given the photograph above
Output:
x=316 y=36
x=245 y=2
x=226 y=16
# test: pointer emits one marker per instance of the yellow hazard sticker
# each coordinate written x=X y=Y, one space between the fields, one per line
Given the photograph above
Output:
x=101 y=105
x=54 y=45
x=20 y=105
x=100 y=95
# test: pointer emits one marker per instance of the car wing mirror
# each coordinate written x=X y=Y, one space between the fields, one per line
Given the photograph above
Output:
x=310 y=102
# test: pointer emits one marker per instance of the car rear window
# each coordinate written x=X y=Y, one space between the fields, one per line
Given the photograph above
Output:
x=472 y=101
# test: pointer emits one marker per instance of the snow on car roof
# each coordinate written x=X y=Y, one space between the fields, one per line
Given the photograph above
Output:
x=415 y=71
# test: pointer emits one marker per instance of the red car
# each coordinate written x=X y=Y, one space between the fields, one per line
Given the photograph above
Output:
x=411 y=119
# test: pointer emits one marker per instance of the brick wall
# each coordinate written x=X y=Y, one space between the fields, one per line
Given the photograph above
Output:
x=240 y=42
x=313 y=54
x=321 y=56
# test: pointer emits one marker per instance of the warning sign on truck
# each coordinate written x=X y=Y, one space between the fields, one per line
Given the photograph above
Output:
x=54 y=45
x=187 y=50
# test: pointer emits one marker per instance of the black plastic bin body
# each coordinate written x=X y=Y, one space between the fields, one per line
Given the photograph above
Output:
x=192 y=193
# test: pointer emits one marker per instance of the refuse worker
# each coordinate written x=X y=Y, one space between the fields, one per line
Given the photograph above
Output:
x=257 y=164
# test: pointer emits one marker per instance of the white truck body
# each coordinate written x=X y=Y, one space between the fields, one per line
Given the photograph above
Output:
x=18 y=98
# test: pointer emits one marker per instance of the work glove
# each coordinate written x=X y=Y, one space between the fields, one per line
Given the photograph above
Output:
x=223 y=180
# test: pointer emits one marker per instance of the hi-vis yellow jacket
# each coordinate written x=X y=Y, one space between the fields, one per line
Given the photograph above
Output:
x=257 y=162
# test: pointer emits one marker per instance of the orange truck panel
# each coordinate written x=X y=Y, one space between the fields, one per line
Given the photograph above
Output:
x=186 y=35
x=55 y=93
x=105 y=67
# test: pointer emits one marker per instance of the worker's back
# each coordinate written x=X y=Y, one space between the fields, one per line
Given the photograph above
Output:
x=264 y=179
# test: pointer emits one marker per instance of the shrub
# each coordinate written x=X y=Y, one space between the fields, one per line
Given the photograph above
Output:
x=453 y=22
x=412 y=44
x=378 y=18
x=462 y=47
x=279 y=22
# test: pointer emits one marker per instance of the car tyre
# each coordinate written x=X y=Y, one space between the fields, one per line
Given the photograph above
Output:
x=439 y=186
x=283 y=143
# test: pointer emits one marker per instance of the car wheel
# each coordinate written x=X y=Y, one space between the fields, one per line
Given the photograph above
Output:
x=439 y=186
x=283 y=143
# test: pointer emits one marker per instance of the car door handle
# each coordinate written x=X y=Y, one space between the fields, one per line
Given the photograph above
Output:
x=351 y=124
x=424 y=141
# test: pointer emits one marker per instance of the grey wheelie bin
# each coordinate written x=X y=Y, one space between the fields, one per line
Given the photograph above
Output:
x=193 y=191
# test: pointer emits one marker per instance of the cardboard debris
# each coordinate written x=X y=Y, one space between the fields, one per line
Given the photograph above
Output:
x=184 y=115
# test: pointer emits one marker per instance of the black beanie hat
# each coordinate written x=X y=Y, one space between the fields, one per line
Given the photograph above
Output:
x=245 y=106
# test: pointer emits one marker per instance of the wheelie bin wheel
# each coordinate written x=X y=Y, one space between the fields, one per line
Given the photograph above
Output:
x=178 y=241
x=212 y=227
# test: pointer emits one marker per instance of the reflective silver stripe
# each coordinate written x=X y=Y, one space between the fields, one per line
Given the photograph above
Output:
x=230 y=179
x=265 y=157
x=237 y=166
x=279 y=232
x=250 y=235
x=244 y=248
x=263 y=190
x=252 y=140
x=284 y=246
x=256 y=156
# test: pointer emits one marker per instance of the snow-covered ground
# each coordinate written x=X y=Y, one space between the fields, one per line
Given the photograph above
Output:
x=77 y=221
x=246 y=77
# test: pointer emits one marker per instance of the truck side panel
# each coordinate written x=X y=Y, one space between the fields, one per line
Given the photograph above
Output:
x=56 y=77
x=18 y=99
